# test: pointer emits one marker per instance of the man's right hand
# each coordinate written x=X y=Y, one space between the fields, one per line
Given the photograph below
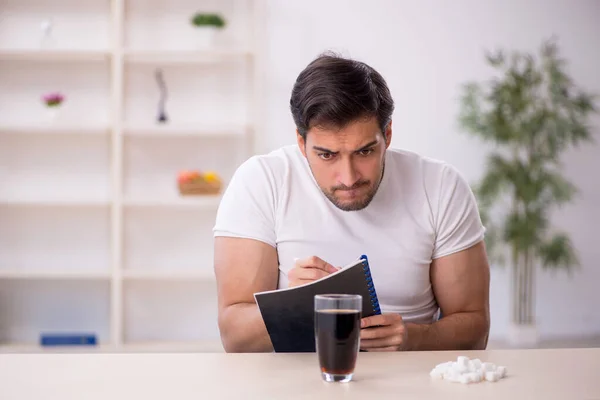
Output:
x=308 y=270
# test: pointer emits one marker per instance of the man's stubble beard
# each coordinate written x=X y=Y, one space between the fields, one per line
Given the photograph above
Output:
x=357 y=205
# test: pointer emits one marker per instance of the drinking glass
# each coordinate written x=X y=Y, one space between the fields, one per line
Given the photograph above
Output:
x=337 y=334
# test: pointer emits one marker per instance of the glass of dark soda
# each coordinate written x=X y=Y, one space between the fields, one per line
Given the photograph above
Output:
x=337 y=334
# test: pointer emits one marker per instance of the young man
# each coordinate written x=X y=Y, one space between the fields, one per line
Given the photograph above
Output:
x=298 y=213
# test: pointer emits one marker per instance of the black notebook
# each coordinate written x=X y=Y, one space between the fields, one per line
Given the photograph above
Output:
x=289 y=313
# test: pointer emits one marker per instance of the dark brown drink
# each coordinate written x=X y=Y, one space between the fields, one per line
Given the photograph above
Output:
x=337 y=339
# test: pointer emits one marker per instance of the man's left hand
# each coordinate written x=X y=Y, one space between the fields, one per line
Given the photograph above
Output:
x=385 y=332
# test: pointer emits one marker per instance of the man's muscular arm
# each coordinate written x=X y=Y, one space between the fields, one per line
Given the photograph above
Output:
x=461 y=286
x=242 y=268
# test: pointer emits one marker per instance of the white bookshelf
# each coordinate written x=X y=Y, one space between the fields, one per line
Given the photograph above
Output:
x=184 y=57
x=186 y=131
x=192 y=203
x=53 y=273
x=52 y=130
x=94 y=236
x=161 y=276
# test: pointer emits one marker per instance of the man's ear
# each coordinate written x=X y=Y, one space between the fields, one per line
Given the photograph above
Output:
x=301 y=143
x=388 y=135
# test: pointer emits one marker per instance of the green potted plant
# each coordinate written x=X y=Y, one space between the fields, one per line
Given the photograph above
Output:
x=531 y=112
x=207 y=25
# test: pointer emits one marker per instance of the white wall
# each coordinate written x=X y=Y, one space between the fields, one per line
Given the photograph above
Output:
x=425 y=50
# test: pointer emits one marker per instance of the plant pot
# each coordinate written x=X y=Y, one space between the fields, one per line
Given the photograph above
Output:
x=205 y=37
x=522 y=331
x=53 y=114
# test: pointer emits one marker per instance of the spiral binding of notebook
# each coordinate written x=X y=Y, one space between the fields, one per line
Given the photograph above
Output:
x=371 y=285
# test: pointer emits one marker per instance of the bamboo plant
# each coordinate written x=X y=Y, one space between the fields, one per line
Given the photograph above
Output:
x=531 y=112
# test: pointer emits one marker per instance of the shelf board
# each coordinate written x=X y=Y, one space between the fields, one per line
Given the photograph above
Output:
x=182 y=57
x=24 y=274
x=201 y=202
x=53 y=55
x=32 y=348
x=167 y=275
x=167 y=346
x=53 y=130
x=202 y=346
x=36 y=202
x=168 y=131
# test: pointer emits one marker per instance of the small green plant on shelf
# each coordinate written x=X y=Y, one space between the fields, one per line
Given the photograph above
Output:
x=206 y=26
x=208 y=20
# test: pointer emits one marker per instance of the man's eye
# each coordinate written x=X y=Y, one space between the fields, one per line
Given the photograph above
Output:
x=366 y=152
x=326 y=156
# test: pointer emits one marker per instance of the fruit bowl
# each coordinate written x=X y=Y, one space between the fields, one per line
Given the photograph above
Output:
x=198 y=183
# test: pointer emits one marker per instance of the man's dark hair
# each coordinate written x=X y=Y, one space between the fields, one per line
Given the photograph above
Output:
x=333 y=91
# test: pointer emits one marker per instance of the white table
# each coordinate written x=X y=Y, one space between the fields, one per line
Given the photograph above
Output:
x=532 y=374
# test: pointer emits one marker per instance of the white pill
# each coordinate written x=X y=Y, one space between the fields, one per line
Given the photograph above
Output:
x=488 y=367
x=472 y=366
x=491 y=376
x=451 y=376
x=436 y=373
x=462 y=364
x=501 y=371
x=462 y=360
x=475 y=377
x=444 y=366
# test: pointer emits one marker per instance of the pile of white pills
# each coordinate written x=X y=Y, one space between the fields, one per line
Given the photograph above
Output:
x=464 y=370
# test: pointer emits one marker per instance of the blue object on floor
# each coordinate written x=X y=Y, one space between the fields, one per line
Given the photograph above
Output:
x=63 y=339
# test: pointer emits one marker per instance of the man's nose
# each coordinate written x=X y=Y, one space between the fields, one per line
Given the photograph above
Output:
x=348 y=174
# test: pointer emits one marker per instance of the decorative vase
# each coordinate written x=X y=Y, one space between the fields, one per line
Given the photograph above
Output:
x=47 y=40
x=523 y=331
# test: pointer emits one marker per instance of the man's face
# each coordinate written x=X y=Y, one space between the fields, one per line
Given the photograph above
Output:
x=348 y=163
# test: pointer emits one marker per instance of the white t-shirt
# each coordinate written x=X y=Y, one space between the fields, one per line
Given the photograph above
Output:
x=422 y=210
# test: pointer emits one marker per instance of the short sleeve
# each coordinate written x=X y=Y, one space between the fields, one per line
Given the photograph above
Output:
x=457 y=223
x=247 y=208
